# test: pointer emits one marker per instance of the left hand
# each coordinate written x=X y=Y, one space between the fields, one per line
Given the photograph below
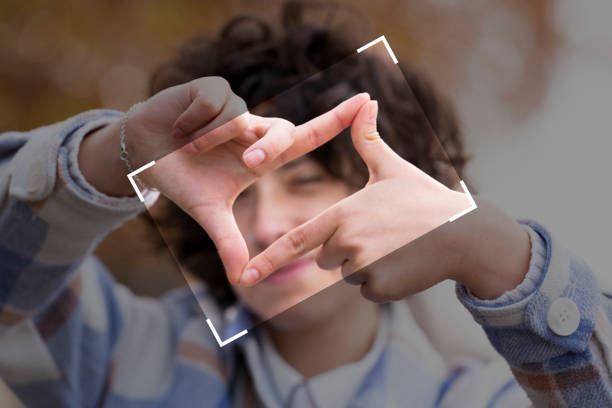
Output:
x=399 y=204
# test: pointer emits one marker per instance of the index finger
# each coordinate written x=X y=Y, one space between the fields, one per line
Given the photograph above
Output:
x=317 y=131
x=290 y=246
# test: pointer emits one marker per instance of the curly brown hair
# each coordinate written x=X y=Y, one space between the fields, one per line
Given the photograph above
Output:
x=262 y=61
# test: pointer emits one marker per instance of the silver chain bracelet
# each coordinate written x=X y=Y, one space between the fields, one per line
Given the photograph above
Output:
x=123 y=155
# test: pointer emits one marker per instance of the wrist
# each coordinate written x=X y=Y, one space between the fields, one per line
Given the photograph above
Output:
x=100 y=163
x=495 y=252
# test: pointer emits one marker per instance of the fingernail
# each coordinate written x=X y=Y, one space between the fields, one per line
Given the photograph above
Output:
x=254 y=158
x=177 y=133
x=367 y=95
x=373 y=111
x=249 y=276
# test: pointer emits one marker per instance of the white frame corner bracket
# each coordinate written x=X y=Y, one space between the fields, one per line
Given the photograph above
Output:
x=382 y=39
x=467 y=210
x=224 y=342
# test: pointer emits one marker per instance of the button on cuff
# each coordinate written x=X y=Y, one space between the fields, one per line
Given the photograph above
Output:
x=563 y=317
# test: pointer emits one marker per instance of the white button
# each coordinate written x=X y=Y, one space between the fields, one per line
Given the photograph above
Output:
x=36 y=177
x=563 y=317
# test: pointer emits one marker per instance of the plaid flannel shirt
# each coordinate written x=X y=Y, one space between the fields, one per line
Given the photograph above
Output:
x=71 y=337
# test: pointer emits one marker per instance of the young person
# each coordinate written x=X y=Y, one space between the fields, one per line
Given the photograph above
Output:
x=71 y=337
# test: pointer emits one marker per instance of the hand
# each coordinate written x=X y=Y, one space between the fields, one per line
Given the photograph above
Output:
x=399 y=204
x=204 y=179
x=162 y=124
x=212 y=137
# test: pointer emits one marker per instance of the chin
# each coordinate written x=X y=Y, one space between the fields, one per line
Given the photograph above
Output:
x=294 y=306
x=302 y=315
x=302 y=305
x=291 y=296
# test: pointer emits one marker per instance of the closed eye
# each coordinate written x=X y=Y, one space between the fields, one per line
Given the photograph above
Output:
x=300 y=181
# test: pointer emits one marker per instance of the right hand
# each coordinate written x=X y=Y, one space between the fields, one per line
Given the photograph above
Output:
x=205 y=176
x=399 y=204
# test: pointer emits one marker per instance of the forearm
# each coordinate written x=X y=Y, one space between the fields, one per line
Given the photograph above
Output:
x=48 y=221
x=496 y=251
x=557 y=335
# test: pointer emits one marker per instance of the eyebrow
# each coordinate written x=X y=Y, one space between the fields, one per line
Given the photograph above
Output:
x=293 y=163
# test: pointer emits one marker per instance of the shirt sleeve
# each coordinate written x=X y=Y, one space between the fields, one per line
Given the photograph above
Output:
x=69 y=336
x=49 y=223
x=554 y=330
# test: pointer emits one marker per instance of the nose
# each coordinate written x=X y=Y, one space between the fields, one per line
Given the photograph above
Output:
x=273 y=218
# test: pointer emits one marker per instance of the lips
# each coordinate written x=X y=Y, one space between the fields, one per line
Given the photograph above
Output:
x=289 y=271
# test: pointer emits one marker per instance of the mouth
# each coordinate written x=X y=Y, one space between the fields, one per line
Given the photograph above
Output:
x=289 y=272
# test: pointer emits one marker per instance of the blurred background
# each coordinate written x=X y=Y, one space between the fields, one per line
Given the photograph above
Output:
x=531 y=81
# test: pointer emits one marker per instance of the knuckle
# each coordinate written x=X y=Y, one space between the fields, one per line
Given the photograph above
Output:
x=272 y=149
x=287 y=136
x=239 y=105
x=354 y=251
x=321 y=261
x=234 y=110
x=265 y=264
x=206 y=105
x=342 y=213
x=366 y=292
x=225 y=241
x=283 y=157
x=338 y=119
x=348 y=242
x=352 y=276
x=297 y=241
x=241 y=122
x=202 y=140
x=393 y=290
x=286 y=123
x=347 y=268
x=325 y=262
x=375 y=291
x=312 y=136
x=372 y=135
x=220 y=82
x=355 y=266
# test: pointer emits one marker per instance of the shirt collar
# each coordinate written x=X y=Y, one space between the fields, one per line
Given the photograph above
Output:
x=274 y=380
x=278 y=384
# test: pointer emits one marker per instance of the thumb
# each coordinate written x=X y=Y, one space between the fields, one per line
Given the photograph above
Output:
x=373 y=150
x=221 y=226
